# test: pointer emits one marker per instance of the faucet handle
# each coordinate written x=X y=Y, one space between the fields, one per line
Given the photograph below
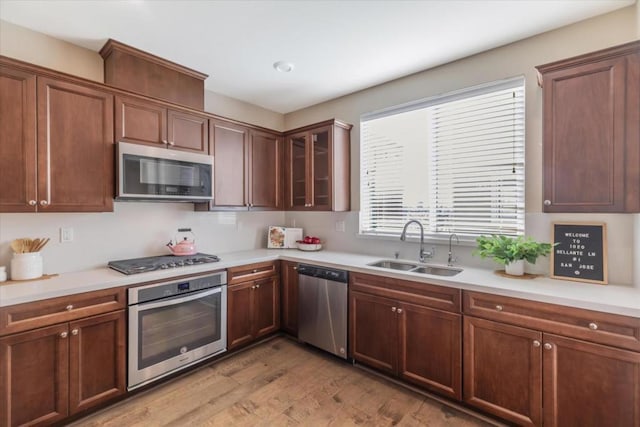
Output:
x=427 y=254
x=396 y=254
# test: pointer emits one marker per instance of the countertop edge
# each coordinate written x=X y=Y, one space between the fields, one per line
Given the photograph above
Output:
x=622 y=300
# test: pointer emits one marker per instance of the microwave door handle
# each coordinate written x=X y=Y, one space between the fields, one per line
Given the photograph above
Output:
x=179 y=300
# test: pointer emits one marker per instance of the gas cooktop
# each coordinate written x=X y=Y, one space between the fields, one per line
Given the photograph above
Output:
x=142 y=265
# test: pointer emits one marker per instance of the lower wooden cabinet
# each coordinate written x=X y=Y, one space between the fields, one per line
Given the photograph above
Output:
x=503 y=370
x=515 y=372
x=417 y=343
x=52 y=372
x=253 y=310
x=289 y=297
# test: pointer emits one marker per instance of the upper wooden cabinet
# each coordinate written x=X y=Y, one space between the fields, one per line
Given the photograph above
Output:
x=17 y=140
x=67 y=164
x=142 y=121
x=317 y=161
x=134 y=70
x=591 y=135
x=247 y=167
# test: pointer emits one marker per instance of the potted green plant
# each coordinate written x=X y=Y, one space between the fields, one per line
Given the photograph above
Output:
x=511 y=251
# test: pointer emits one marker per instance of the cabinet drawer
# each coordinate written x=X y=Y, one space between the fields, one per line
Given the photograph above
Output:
x=594 y=326
x=424 y=294
x=23 y=317
x=252 y=271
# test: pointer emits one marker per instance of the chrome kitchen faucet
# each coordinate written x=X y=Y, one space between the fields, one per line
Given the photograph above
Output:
x=422 y=255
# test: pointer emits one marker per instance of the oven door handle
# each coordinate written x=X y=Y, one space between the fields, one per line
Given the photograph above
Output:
x=178 y=300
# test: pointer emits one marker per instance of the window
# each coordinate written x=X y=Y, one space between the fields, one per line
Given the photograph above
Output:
x=454 y=162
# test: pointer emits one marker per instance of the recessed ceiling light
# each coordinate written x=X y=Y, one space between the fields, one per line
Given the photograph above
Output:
x=283 y=66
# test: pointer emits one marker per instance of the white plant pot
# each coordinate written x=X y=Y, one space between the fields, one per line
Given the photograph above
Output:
x=515 y=268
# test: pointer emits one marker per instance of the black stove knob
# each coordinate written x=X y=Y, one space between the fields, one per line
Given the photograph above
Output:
x=181 y=263
x=189 y=262
x=164 y=266
x=172 y=264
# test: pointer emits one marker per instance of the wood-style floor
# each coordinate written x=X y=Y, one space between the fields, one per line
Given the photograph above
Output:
x=279 y=383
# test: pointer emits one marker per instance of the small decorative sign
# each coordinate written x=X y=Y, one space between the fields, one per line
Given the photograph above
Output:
x=580 y=253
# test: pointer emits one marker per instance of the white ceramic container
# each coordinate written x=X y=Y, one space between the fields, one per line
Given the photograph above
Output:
x=26 y=266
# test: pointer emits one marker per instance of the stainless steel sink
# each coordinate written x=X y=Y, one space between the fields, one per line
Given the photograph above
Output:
x=393 y=265
x=435 y=270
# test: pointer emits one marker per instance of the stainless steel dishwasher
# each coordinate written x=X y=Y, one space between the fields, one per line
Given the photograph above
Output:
x=322 y=308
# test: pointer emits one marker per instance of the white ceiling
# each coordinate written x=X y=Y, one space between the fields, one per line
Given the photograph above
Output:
x=338 y=47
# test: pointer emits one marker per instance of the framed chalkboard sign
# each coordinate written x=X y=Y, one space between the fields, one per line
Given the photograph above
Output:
x=580 y=253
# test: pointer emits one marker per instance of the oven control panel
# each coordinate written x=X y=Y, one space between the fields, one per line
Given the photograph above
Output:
x=168 y=289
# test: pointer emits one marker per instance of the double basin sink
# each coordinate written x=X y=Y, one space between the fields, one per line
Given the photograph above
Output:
x=435 y=270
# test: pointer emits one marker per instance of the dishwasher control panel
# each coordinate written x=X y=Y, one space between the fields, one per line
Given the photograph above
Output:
x=323 y=273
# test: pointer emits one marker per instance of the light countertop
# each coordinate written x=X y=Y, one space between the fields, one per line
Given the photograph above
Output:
x=615 y=299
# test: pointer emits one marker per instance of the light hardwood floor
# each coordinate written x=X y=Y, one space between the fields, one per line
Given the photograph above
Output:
x=279 y=383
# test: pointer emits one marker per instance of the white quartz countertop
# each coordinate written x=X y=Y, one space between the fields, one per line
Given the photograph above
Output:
x=615 y=299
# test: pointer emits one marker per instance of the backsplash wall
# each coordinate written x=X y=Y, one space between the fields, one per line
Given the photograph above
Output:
x=133 y=230
x=623 y=257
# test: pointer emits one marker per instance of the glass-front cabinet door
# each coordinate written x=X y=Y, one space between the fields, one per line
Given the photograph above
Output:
x=320 y=153
x=297 y=196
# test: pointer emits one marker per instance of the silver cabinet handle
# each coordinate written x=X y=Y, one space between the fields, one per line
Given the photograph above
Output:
x=547 y=202
x=536 y=343
x=164 y=141
x=399 y=311
x=393 y=309
x=499 y=307
x=32 y=203
x=295 y=267
x=63 y=334
x=257 y=286
x=74 y=332
x=44 y=202
x=172 y=143
x=593 y=326
x=255 y=270
x=548 y=346
x=253 y=287
x=69 y=307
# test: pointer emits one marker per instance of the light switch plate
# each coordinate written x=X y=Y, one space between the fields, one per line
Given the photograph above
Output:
x=66 y=234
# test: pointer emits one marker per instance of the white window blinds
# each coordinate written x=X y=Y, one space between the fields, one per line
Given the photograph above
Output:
x=455 y=162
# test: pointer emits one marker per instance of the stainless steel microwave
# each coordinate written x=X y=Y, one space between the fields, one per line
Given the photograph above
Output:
x=161 y=174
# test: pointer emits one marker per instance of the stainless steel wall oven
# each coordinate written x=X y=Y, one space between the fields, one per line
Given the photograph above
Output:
x=174 y=324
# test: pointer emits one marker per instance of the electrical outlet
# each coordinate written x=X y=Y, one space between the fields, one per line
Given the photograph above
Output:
x=66 y=234
x=340 y=226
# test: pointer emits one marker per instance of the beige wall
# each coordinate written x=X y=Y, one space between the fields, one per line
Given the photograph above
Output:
x=38 y=48
x=519 y=58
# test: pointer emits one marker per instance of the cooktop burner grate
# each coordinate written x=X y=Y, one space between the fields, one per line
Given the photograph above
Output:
x=142 y=265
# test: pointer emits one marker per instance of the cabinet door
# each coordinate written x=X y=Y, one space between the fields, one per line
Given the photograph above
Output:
x=503 y=370
x=589 y=384
x=289 y=297
x=320 y=152
x=431 y=349
x=140 y=122
x=96 y=360
x=266 y=306
x=187 y=131
x=374 y=331
x=584 y=137
x=75 y=148
x=265 y=162
x=297 y=164
x=17 y=141
x=239 y=314
x=34 y=376
x=229 y=145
